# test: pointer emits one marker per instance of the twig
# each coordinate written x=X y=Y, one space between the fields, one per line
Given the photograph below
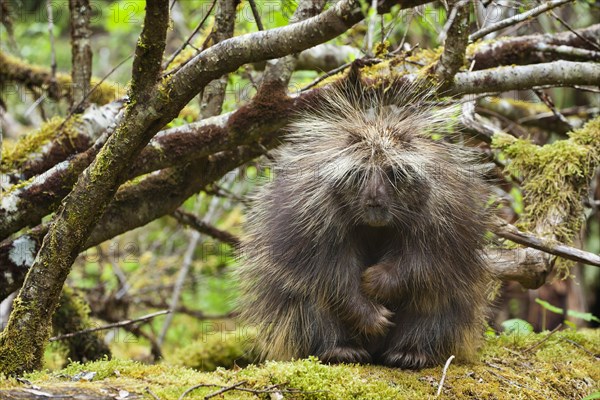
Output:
x=371 y=27
x=543 y=340
x=51 y=36
x=441 y=384
x=325 y=76
x=202 y=227
x=196 y=387
x=455 y=36
x=256 y=15
x=587 y=89
x=81 y=52
x=534 y=12
x=189 y=39
x=509 y=381
x=550 y=104
x=6 y=20
x=389 y=28
x=88 y=94
x=570 y=28
x=181 y=277
x=119 y=324
x=223 y=390
x=596 y=356
x=187 y=263
x=512 y=233
x=401 y=45
x=152 y=394
x=183 y=309
x=569 y=51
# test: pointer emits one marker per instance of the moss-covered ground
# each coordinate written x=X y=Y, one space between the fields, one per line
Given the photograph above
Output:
x=562 y=365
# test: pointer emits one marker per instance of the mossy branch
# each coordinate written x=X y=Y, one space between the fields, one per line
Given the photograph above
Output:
x=556 y=177
x=22 y=73
x=150 y=48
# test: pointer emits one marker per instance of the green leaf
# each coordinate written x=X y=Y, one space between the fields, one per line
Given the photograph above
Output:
x=589 y=317
x=517 y=326
x=549 y=306
x=595 y=395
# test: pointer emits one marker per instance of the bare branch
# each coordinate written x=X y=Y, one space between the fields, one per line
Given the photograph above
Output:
x=213 y=94
x=202 y=227
x=256 y=15
x=147 y=63
x=534 y=12
x=29 y=323
x=512 y=233
x=119 y=324
x=527 y=49
x=503 y=79
x=81 y=52
x=529 y=267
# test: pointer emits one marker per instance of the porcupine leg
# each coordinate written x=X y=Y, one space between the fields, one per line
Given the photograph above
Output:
x=343 y=336
x=329 y=338
x=427 y=337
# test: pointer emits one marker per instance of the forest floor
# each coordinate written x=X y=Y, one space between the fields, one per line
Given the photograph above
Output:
x=558 y=365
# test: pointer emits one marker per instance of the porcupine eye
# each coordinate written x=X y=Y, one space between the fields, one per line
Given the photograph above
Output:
x=351 y=180
x=396 y=176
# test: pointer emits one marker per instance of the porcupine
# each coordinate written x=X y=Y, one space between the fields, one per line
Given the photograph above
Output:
x=366 y=245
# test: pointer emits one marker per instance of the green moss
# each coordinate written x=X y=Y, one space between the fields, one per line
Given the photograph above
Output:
x=28 y=73
x=426 y=56
x=556 y=177
x=526 y=107
x=16 y=354
x=72 y=315
x=511 y=366
x=31 y=143
x=226 y=350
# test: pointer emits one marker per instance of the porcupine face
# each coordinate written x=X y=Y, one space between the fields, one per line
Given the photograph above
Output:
x=363 y=162
x=380 y=191
x=380 y=196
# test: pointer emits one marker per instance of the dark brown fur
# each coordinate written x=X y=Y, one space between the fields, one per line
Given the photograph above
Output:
x=366 y=246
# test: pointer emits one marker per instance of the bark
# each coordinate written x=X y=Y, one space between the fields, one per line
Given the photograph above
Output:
x=81 y=52
x=529 y=49
x=455 y=44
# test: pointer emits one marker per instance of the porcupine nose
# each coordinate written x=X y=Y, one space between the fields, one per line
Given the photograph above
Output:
x=376 y=193
x=374 y=202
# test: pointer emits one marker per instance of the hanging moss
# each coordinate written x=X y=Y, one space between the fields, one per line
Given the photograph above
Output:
x=556 y=177
x=72 y=315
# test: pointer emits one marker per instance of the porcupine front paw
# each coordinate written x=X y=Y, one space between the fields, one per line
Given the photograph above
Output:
x=377 y=283
x=410 y=359
x=345 y=354
x=376 y=322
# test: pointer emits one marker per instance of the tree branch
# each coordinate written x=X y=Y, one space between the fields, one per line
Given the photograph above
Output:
x=262 y=118
x=25 y=335
x=81 y=52
x=455 y=45
x=526 y=49
x=202 y=227
x=512 y=233
x=503 y=79
x=534 y=12
x=147 y=63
